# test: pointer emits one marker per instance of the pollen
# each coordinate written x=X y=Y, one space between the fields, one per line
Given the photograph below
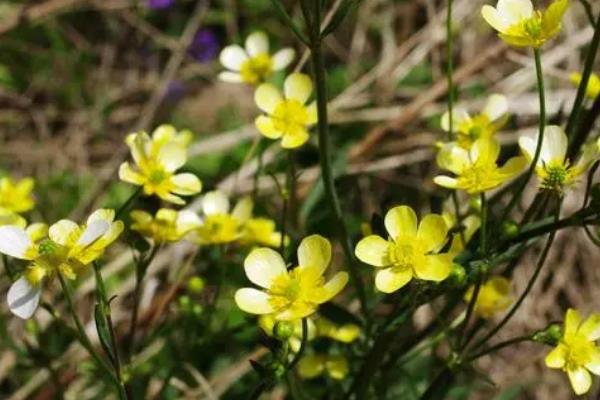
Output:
x=256 y=69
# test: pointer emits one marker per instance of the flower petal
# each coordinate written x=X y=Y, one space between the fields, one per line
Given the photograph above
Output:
x=594 y=364
x=295 y=139
x=554 y=145
x=14 y=242
x=459 y=115
x=496 y=107
x=232 y=77
x=485 y=150
x=581 y=380
x=22 y=298
x=127 y=174
x=388 y=281
x=436 y=267
x=401 y=220
x=557 y=357
x=186 y=184
x=373 y=250
x=283 y=58
x=528 y=146
x=93 y=232
x=314 y=252
x=572 y=321
x=446 y=181
x=334 y=286
x=591 y=327
x=232 y=57
x=172 y=156
x=263 y=265
x=515 y=11
x=253 y=301
x=243 y=209
x=494 y=18
x=215 y=202
x=267 y=97
x=432 y=232
x=298 y=87
x=266 y=126
x=257 y=43
x=65 y=232
x=513 y=167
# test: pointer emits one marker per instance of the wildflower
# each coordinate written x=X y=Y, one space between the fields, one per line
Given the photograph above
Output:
x=520 y=25
x=65 y=248
x=294 y=294
x=470 y=225
x=167 y=226
x=157 y=159
x=483 y=125
x=577 y=353
x=10 y=218
x=477 y=169
x=288 y=117
x=314 y=365
x=593 y=88
x=409 y=252
x=257 y=230
x=553 y=169
x=204 y=46
x=253 y=65
x=494 y=296
x=16 y=197
x=346 y=333
x=159 y=4
x=219 y=224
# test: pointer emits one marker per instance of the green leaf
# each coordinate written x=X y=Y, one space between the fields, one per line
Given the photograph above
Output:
x=103 y=332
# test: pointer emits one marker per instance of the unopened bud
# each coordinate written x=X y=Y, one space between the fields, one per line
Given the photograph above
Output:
x=283 y=330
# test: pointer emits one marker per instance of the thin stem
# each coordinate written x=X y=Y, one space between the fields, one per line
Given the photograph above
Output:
x=542 y=126
x=302 y=348
x=85 y=341
x=528 y=288
x=128 y=203
x=498 y=346
x=325 y=156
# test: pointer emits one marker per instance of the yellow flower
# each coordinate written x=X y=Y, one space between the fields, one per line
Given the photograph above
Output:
x=16 y=197
x=219 y=225
x=10 y=218
x=288 y=117
x=477 y=169
x=520 y=25
x=253 y=64
x=346 y=333
x=166 y=226
x=157 y=159
x=409 y=252
x=313 y=365
x=494 y=296
x=483 y=125
x=471 y=224
x=577 y=353
x=257 y=230
x=65 y=248
x=593 y=89
x=293 y=294
x=553 y=168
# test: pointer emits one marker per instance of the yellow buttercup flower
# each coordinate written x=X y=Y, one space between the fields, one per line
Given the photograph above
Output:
x=520 y=25
x=553 y=169
x=494 y=296
x=476 y=170
x=346 y=333
x=593 y=89
x=482 y=125
x=16 y=197
x=409 y=252
x=287 y=117
x=219 y=224
x=167 y=226
x=313 y=365
x=67 y=248
x=253 y=64
x=10 y=218
x=294 y=294
x=577 y=353
x=156 y=160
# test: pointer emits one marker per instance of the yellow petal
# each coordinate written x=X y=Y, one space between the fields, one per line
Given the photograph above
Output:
x=263 y=265
x=513 y=167
x=294 y=139
x=103 y=214
x=266 y=126
x=496 y=107
x=388 y=281
x=314 y=252
x=594 y=364
x=37 y=231
x=334 y=286
x=373 y=250
x=581 y=380
x=337 y=367
x=257 y=43
x=186 y=184
x=298 y=87
x=591 y=327
x=494 y=18
x=127 y=174
x=436 y=267
x=552 y=17
x=267 y=97
x=401 y=220
x=172 y=156
x=485 y=150
x=283 y=58
x=446 y=181
x=311 y=366
x=65 y=232
x=557 y=357
x=459 y=116
x=572 y=321
x=243 y=209
x=432 y=232
x=215 y=202
x=253 y=301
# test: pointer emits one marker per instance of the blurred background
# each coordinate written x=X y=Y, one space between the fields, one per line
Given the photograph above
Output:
x=76 y=76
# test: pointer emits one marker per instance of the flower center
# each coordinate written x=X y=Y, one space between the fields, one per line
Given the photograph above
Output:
x=402 y=255
x=480 y=177
x=256 y=69
x=297 y=289
x=580 y=351
x=289 y=116
x=219 y=228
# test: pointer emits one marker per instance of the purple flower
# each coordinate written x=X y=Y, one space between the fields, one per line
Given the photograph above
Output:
x=205 y=46
x=159 y=4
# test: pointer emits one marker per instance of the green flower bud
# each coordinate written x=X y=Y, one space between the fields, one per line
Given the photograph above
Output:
x=551 y=335
x=510 y=228
x=195 y=284
x=458 y=275
x=475 y=203
x=185 y=302
x=283 y=330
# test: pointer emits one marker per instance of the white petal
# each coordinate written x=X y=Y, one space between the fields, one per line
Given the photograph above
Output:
x=22 y=298
x=172 y=156
x=228 y=76
x=527 y=145
x=298 y=86
x=554 y=146
x=232 y=57
x=257 y=43
x=514 y=11
x=263 y=265
x=93 y=232
x=283 y=58
x=215 y=203
x=14 y=241
x=496 y=107
x=267 y=97
x=253 y=301
x=459 y=115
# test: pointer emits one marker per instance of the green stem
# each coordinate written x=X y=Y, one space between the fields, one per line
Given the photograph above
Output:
x=128 y=203
x=498 y=346
x=85 y=341
x=325 y=155
x=302 y=348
